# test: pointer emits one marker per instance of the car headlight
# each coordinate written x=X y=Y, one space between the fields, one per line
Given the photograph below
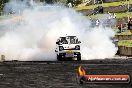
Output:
x=61 y=48
x=77 y=47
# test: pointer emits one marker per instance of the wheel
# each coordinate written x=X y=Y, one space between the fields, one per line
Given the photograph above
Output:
x=79 y=57
x=59 y=57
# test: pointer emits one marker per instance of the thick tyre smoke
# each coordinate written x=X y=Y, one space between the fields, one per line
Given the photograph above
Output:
x=31 y=32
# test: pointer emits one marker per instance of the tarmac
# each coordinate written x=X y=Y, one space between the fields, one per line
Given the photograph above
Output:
x=60 y=74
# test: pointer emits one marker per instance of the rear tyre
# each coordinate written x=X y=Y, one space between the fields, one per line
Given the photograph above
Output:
x=79 y=57
x=59 y=57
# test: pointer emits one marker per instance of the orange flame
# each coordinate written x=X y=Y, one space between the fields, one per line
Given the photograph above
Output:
x=81 y=71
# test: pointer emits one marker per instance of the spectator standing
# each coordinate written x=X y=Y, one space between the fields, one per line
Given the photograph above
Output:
x=130 y=25
x=69 y=5
x=97 y=22
x=119 y=28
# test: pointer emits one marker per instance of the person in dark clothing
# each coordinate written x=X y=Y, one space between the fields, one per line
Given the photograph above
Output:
x=130 y=25
x=130 y=8
x=119 y=28
x=101 y=9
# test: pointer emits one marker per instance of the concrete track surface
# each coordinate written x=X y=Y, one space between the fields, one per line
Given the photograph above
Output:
x=54 y=74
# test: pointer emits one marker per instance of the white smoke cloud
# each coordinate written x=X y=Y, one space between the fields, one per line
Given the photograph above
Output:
x=31 y=33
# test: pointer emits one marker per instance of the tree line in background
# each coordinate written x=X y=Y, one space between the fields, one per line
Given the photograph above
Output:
x=2 y=3
x=66 y=2
x=62 y=1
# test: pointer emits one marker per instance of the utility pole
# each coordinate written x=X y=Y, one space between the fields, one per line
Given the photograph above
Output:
x=128 y=7
x=94 y=1
x=128 y=4
x=102 y=2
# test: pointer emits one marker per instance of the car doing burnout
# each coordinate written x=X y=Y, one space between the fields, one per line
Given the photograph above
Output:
x=68 y=48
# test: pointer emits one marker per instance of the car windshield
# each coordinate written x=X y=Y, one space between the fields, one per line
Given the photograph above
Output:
x=72 y=39
x=69 y=40
x=63 y=40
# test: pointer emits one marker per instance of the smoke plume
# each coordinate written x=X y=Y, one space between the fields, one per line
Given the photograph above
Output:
x=30 y=33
